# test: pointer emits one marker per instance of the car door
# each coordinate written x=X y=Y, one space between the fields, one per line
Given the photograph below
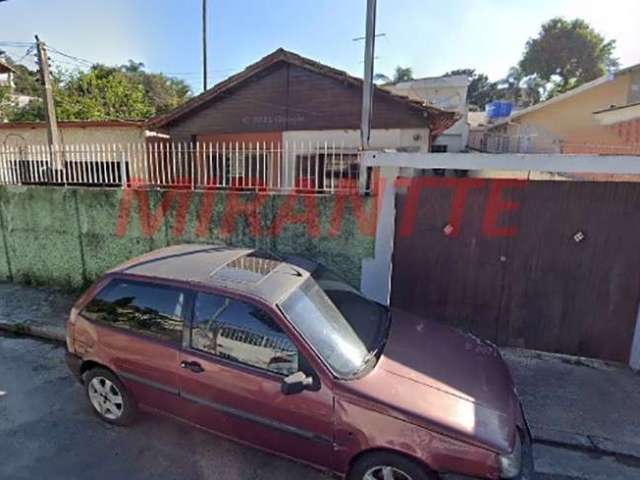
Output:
x=136 y=329
x=234 y=361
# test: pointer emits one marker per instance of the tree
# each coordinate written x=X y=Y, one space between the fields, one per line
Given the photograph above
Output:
x=481 y=91
x=6 y=102
x=567 y=54
x=163 y=93
x=101 y=93
x=402 y=74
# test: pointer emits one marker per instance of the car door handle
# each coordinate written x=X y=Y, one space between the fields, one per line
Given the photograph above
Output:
x=195 y=367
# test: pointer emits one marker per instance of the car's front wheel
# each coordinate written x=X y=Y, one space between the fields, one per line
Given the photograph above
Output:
x=388 y=466
x=109 y=398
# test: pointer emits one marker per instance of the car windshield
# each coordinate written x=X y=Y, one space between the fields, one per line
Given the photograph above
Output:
x=346 y=329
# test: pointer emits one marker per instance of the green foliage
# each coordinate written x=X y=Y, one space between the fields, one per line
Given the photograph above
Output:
x=567 y=54
x=26 y=81
x=163 y=93
x=6 y=103
x=101 y=93
x=402 y=74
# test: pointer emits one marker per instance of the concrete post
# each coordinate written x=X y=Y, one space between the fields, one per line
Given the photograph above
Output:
x=376 y=272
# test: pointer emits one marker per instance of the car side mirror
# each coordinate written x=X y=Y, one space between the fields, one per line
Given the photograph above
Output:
x=296 y=383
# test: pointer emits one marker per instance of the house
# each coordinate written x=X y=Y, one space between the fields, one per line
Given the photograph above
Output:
x=91 y=151
x=6 y=75
x=18 y=134
x=287 y=113
x=447 y=93
x=599 y=117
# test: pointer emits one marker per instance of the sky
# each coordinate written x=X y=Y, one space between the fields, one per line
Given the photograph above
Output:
x=429 y=36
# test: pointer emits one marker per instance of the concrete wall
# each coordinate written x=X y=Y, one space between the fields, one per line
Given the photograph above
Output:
x=67 y=236
x=37 y=135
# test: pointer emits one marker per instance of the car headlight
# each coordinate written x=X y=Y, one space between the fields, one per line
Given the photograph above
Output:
x=511 y=463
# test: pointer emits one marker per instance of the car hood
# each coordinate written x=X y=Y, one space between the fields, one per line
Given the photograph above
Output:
x=443 y=379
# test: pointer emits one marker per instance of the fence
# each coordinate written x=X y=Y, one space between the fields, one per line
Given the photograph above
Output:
x=288 y=166
x=544 y=143
x=500 y=143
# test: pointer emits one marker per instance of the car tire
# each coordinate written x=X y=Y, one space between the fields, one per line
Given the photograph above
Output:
x=109 y=398
x=372 y=467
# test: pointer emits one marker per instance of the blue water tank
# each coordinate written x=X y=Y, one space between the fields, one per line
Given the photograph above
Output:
x=498 y=109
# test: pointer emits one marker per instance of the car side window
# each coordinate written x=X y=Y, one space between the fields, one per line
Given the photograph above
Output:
x=149 y=309
x=241 y=332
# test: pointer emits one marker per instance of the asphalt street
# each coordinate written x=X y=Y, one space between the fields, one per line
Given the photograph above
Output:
x=47 y=430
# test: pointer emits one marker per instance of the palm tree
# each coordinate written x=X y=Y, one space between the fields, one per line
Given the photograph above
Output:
x=402 y=74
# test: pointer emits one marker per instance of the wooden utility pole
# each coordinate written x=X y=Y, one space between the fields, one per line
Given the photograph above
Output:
x=204 y=44
x=367 y=87
x=53 y=135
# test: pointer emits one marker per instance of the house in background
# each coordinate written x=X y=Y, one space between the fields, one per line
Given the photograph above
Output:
x=6 y=75
x=292 y=119
x=21 y=134
x=599 y=117
x=446 y=93
x=90 y=152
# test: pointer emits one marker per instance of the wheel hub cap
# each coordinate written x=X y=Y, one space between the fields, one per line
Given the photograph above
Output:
x=106 y=398
x=385 y=472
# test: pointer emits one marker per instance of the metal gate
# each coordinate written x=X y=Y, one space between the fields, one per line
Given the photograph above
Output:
x=546 y=265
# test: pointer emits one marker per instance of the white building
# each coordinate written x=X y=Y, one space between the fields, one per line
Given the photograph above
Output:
x=6 y=75
x=446 y=93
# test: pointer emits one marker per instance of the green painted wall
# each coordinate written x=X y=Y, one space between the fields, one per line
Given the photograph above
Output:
x=67 y=237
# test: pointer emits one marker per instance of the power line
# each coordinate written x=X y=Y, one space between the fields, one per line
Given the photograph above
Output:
x=72 y=57
x=8 y=43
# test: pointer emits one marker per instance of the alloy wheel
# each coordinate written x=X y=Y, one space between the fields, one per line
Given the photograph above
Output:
x=385 y=472
x=106 y=398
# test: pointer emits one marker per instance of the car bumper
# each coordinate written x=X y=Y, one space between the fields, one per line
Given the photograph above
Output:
x=74 y=363
x=527 y=470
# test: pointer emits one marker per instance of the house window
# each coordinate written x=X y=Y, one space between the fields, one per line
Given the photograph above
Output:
x=326 y=171
x=439 y=148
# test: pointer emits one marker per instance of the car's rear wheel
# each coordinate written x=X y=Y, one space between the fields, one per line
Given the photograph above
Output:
x=109 y=398
x=388 y=466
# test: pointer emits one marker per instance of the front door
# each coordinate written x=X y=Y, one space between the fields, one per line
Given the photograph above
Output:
x=231 y=375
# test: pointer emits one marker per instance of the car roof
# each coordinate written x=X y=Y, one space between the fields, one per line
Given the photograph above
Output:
x=248 y=271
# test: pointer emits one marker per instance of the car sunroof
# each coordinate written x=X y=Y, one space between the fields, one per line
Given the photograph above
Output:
x=251 y=268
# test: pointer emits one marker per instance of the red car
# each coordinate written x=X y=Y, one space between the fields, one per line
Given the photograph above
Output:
x=284 y=355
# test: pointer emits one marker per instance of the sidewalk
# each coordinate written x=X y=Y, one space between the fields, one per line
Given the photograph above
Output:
x=41 y=312
x=577 y=404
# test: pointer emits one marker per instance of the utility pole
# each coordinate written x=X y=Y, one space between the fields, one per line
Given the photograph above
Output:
x=53 y=135
x=367 y=87
x=204 y=44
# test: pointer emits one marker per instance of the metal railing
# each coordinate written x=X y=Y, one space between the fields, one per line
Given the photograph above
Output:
x=252 y=166
x=501 y=143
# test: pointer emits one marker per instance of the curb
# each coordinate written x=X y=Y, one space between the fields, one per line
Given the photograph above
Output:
x=55 y=334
